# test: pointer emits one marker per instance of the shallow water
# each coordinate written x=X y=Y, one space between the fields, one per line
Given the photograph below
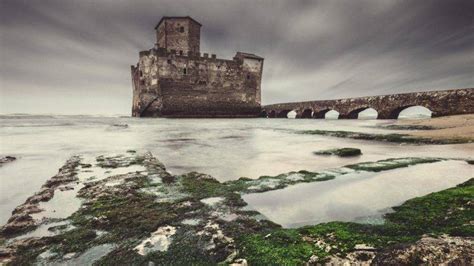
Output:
x=360 y=196
x=224 y=148
x=87 y=258
x=46 y=230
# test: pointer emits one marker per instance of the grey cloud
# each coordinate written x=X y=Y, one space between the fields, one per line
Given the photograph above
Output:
x=81 y=50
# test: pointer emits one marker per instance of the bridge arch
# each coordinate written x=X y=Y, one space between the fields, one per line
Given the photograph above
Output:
x=292 y=114
x=272 y=114
x=307 y=113
x=321 y=114
x=395 y=113
x=354 y=113
x=332 y=114
x=415 y=111
x=369 y=113
x=283 y=113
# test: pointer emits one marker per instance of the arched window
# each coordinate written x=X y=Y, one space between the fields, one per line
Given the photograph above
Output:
x=181 y=29
x=184 y=71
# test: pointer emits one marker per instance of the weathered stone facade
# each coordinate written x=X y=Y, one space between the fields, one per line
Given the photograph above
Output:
x=441 y=103
x=173 y=79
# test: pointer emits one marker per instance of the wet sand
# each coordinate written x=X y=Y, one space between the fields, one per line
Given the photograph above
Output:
x=448 y=127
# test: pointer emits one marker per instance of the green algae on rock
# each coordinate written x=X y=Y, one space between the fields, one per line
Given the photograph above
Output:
x=341 y=152
x=446 y=212
x=390 y=164
x=409 y=127
x=395 y=137
x=132 y=215
x=267 y=183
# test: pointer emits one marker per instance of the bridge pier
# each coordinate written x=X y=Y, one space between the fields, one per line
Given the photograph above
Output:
x=307 y=113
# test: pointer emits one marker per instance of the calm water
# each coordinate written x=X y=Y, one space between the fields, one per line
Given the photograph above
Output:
x=357 y=197
x=225 y=148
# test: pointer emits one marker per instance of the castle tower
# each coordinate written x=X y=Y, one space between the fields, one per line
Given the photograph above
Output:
x=182 y=34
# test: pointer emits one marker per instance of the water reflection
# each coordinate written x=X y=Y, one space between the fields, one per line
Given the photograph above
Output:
x=354 y=197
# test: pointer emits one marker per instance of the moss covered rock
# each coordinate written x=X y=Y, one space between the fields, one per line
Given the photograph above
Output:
x=342 y=152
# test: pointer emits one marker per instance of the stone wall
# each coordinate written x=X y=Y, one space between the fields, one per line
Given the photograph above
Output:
x=441 y=103
x=172 y=85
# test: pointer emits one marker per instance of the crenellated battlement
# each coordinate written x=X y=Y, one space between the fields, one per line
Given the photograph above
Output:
x=163 y=52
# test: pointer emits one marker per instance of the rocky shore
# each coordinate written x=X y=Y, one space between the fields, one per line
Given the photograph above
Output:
x=6 y=159
x=127 y=209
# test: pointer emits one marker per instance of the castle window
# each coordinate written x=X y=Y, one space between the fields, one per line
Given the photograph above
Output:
x=181 y=29
x=184 y=71
x=180 y=52
x=169 y=61
x=142 y=82
x=248 y=76
x=141 y=73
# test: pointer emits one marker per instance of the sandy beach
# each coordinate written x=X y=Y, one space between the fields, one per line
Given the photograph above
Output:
x=448 y=127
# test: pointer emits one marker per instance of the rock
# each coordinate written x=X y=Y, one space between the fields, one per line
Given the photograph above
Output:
x=18 y=223
x=352 y=258
x=86 y=165
x=6 y=254
x=65 y=188
x=342 y=152
x=445 y=250
x=313 y=259
x=120 y=125
x=239 y=262
x=21 y=220
x=9 y=253
x=6 y=159
x=363 y=247
x=69 y=255
x=168 y=178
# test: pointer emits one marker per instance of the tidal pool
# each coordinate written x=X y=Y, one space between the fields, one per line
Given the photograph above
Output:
x=224 y=148
x=359 y=196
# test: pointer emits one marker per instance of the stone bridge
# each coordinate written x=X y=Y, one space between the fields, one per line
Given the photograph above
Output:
x=441 y=103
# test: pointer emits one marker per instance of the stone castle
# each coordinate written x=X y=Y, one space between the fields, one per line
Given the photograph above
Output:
x=174 y=79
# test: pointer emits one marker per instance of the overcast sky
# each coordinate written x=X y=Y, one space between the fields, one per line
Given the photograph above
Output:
x=74 y=57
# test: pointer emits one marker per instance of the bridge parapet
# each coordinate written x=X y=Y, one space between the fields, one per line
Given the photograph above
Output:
x=441 y=103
